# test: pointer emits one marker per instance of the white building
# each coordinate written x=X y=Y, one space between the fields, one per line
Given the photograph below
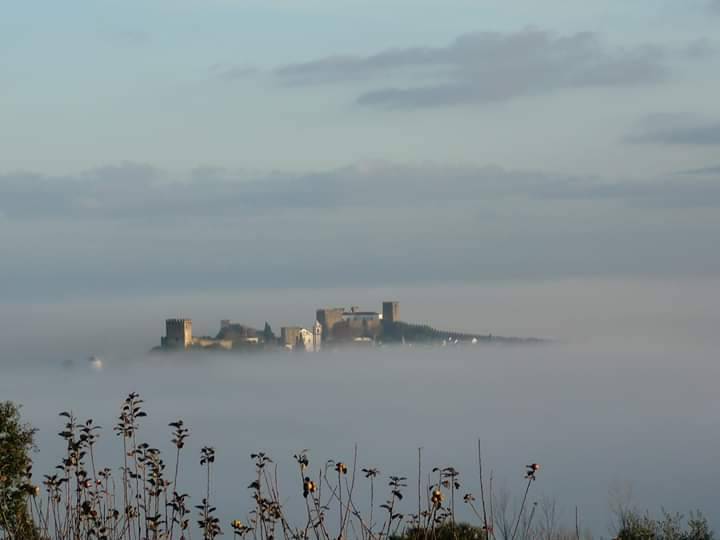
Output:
x=296 y=336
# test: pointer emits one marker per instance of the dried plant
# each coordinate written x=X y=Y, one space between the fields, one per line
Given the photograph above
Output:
x=85 y=501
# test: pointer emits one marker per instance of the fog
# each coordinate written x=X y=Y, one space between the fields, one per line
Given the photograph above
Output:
x=623 y=397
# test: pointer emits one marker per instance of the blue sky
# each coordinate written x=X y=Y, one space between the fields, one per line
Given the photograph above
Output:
x=90 y=83
x=587 y=128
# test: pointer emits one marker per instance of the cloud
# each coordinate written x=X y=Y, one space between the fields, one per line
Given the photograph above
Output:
x=132 y=227
x=483 y=67
x=125 y=185
x=676 y=129
x=700 y=48
x=703 y=171
x=714 y=6
x=139 y=192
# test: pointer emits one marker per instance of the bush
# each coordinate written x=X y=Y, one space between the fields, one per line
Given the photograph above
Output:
x=447 y=531
x=634 y=526
x=16 y=443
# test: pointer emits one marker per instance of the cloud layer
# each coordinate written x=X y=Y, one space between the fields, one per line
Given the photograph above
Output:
x=481 y=67
x=140 y=191
x=132 y=227
x=683 y=129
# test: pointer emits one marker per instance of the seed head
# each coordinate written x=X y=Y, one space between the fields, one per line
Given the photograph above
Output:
x=308 y=487
x=531 y=470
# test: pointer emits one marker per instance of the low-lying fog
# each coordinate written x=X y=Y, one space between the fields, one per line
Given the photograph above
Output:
x=626 y=396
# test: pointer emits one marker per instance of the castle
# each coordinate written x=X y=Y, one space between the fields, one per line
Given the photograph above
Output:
x=332 y=325
x=178 y=336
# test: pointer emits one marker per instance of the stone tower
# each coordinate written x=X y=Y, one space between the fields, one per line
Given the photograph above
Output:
x=317 y=336
x=391 y=312
x=178 y=333
x=328 y=318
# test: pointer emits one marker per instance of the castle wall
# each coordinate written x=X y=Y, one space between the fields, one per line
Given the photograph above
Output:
x=356 y=328
x=210 y=343
x=289 y=336
x=328 y=318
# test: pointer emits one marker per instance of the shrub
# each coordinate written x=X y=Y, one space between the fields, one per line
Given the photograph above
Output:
x=16 y=443
x=634 y=526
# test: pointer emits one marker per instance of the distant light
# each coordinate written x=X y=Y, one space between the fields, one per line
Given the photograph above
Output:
x=95 y=363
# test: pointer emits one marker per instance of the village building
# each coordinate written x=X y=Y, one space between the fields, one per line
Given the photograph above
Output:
x=335 y=325
x=296 y=337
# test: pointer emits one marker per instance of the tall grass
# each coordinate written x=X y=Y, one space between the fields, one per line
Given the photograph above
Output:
x=141 y=499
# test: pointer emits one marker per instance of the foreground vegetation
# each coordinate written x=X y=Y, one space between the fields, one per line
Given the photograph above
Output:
x=85 y=501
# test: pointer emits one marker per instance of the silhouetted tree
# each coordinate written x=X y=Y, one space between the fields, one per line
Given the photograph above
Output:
x=268 y=335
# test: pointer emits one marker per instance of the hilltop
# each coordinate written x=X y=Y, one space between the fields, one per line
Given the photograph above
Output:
x=333 y=327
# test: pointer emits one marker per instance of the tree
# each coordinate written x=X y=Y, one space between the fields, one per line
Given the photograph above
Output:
x=16 y=443
x=268 y=335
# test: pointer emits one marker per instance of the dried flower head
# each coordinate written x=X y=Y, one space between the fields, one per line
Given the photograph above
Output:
x=531 y=470
x=308 y=487
x=371 y=472
x=437 y=497
x=302 y=459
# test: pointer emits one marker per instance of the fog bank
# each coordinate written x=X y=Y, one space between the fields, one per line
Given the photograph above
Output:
x=626 y=394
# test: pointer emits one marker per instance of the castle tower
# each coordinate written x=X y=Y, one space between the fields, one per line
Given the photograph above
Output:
x=391 y=312
x=178 y=333
x=317 y=336
x=328 y=318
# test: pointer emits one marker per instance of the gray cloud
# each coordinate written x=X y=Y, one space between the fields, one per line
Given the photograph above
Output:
x=700 y=49
x=483 y=67
x=712 y=171
x=676 y=129
x=132 y=227
x=486 y=66
x=96 y=191
x=714 y=6
x=135 y=191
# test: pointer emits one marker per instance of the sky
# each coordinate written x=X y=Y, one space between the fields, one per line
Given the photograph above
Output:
x=527 y=168
x=162 y=145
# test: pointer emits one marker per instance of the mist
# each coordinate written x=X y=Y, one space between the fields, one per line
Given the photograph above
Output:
x=623 y=396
